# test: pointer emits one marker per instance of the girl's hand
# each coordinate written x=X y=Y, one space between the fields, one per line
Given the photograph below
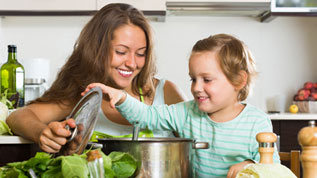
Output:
x=234 y=169
x=54 y=136
x=115 y=96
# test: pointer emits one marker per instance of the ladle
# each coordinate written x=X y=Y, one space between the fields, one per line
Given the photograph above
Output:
x=136 y=130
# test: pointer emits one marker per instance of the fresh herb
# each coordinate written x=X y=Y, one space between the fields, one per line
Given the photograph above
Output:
x=116 y=165
x=4 y=99
x=4 y=111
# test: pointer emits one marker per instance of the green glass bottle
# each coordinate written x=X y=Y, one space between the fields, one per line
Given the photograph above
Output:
x=12 y=78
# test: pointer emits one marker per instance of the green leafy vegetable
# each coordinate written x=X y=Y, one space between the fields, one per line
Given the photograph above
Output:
x=96 y=135
x=4 y=100
x=116 y=165
x=4 y=128
x=123 y=164
x=74 y=166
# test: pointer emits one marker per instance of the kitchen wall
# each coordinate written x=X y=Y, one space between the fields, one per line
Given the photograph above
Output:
x=285 y=49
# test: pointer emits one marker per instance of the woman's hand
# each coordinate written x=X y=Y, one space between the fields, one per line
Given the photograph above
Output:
x=115 y=96
x=54 y=136
x=234 y=169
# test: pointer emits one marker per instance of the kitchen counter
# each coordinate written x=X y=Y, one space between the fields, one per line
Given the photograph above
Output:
x=290 y=116
x=14 y=140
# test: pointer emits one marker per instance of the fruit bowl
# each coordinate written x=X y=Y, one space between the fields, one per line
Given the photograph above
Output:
x=306 y=106
x=306 y=98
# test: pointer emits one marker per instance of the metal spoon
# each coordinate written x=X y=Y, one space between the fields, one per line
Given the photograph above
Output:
x=136 y=129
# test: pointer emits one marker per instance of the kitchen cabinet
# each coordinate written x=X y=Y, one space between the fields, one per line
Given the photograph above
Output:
x=52 y=5
x=144 y=5
x=287 y=127
x=15 y=148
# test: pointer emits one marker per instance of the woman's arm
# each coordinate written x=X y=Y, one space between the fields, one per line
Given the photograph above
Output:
x=172 y=94
x=36 y=122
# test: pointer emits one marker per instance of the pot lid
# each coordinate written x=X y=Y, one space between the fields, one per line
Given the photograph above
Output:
x=85 y=115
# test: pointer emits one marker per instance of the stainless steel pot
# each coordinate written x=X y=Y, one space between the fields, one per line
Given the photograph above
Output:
x=157 y=157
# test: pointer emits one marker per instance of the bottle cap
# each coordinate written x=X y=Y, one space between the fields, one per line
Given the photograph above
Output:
x=12 y=48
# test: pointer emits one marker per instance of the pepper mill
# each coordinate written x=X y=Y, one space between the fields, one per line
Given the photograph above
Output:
x=266 y=146
x=307 y=138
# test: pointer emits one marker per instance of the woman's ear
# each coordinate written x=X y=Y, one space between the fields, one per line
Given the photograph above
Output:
x=243 y=79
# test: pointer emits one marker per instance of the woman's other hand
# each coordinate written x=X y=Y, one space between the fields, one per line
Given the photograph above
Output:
x=115 y=96
x=234 y=169
x=54 y=136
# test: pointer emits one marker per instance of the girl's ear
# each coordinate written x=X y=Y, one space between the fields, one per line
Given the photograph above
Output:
x=243 y=78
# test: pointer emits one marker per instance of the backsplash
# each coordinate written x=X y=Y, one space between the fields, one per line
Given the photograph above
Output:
x=285 y=49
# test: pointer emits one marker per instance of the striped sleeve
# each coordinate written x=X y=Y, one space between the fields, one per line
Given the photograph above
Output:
x=160 y=117
x=264 y=124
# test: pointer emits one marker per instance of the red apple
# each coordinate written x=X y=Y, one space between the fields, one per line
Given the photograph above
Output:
x=308 y=85
x=301 y=97
x=314 y=95
x=315 y=85
x=295 y=98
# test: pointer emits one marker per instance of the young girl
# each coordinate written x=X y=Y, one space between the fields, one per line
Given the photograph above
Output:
x=221 y=70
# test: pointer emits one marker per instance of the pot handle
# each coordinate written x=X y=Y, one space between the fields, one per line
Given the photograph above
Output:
x=200 y=145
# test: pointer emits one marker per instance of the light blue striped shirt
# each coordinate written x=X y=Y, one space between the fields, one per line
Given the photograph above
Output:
x=229 y=142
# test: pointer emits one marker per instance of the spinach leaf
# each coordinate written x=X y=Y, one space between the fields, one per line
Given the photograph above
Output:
x=53 y=171
x=74 y=166
x=123 y=164
x=109 y=173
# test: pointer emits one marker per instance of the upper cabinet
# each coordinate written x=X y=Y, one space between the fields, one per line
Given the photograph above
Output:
x=219 y=7
x=144 y=5
x=47 y=5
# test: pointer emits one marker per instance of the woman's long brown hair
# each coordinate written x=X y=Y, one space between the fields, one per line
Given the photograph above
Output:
x=91 y=56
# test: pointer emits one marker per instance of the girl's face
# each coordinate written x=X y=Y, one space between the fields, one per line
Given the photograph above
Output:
x=128 y=50
x=210 y=87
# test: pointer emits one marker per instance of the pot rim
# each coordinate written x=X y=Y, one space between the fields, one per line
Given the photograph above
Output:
x=147 y=139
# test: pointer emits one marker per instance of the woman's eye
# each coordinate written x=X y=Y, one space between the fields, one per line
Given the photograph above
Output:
x=207 y=80
x=140 y=54
x=120 y=52
x=193 y=80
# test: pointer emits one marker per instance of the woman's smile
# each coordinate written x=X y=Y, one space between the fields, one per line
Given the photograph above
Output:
x=125 y=73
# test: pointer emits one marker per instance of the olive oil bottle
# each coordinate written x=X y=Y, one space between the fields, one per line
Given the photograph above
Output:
x=12 y=78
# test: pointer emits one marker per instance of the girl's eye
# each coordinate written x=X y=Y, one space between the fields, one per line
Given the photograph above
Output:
x=207 y=80
x=120 y=52
x=193 y=80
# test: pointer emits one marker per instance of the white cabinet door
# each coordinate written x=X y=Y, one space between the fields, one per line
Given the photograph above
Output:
x=47 y=5
x=221 y=1
x=144 y=5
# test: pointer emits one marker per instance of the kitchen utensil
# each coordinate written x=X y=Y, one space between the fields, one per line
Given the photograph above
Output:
x=307 y=138
x=85 y=116
x=157 y=157
x=136 y=130
x=266 y=168
x=34 y=88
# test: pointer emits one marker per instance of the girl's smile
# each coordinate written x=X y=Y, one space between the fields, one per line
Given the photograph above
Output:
x=210 y=87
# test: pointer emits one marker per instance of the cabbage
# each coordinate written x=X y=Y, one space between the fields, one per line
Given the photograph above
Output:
x=4 y=111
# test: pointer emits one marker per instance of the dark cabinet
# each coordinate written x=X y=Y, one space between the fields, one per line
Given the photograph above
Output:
x=288 y=130
x=17 y=152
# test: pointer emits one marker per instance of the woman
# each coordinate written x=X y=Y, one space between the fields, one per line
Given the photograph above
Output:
x=114 y=48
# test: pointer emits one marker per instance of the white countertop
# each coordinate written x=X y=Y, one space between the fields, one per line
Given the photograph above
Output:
x=13 y=140
x=290 y=116
x=280 y=116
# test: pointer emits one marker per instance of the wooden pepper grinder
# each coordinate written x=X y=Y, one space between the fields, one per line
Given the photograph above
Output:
x=266 y=146
x=307 y=138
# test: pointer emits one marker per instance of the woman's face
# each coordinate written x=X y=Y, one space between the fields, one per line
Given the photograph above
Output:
x=128 y=50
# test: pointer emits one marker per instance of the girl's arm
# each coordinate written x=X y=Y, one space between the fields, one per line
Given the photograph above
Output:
x=160 y=117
